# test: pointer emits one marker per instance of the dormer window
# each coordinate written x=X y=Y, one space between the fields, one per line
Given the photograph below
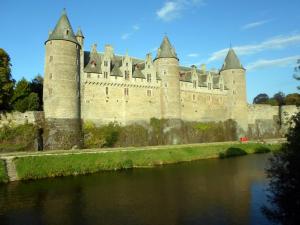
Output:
x=93 y=64
x=126 y=75
x=105 y=63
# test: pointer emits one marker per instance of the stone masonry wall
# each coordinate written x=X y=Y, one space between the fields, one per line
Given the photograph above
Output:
x=18 y=118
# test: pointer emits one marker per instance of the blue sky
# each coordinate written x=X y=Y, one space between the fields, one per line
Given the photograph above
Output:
x=265 y=34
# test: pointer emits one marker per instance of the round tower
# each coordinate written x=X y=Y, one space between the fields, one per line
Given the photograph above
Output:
x=62 y=88
x=167 y=68
x=235 y=81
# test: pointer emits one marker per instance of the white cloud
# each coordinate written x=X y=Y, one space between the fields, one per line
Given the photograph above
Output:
x=265 y=63
x=125 y=36
x=255 y=24
x=173 y=9
x=135 y=27
x=278 y=42
x=193 y=55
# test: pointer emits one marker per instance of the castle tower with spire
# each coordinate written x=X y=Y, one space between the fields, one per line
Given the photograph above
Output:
x=62 y=87
x=234 y=78
x=167 y=68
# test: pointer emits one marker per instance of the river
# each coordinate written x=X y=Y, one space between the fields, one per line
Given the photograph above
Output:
x=209 y=192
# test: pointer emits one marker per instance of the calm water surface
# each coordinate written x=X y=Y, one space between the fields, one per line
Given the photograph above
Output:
x=214 y=191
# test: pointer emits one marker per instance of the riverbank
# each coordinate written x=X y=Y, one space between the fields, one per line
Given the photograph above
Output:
x=66 y=163
x=3 y=175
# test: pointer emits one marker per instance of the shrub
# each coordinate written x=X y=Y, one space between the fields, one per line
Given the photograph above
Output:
x=20 y=137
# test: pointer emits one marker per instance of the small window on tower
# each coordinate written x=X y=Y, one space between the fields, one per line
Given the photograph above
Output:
x=50 y=76
x=67 y=32
x=51 y=58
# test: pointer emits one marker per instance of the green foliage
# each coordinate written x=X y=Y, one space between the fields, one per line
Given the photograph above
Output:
x=278 y=99
x=293 y=99
x=24 y=99
x=297 y=72
x=17 y=138
x=261 y=99
x=36 y=86
x=3 y=175
x=6 y=81
x=42 y=166
x=284 y=175
x=98 y=137
x=232 y=152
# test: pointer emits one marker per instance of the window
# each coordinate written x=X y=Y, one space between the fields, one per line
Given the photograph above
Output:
x=106 y=90
x=51 y=58
x=221 y=87
x=165 y=72
x=126 y=64
x=88 y=75
x=148 y=77
x=105 y=63
x=148 y=66
x=67 y=32
x=126 y=92
x=209 y=86
x=194 y=97
x=105 y=75
x=149 y=93
x=126 y=75
x=194 y=84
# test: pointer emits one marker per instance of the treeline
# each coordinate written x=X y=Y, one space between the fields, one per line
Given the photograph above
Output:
x=278 y=99
x=21 y=96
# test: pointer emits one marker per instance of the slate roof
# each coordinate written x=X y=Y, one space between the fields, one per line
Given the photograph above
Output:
x=94 y=63
x=166 y=50
x=231 y=61
x=137 y=73
x=202 y=80
x=79 y=33
x=63 y=30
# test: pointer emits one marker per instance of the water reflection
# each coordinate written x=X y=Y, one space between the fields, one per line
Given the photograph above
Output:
x=203 y=192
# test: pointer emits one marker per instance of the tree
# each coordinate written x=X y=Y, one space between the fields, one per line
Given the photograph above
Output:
x=6 y=81
x=261 y=99
x=284 y=175
x=36 y=86
x=279 y=98
x=292 y=99
x=297 y=72
x=24 y=99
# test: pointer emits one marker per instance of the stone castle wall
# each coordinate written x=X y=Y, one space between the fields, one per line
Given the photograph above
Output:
x=18 y=118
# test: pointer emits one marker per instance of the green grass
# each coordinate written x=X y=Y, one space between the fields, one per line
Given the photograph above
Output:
x=3 y=175
x=35 y=167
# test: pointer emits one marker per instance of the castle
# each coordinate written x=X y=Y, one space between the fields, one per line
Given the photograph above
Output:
x=105 y=87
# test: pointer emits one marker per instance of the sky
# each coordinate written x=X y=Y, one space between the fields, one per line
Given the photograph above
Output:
x=264 y=34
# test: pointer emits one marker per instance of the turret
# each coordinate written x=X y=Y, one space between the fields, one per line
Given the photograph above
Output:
x=167 y=68
x=62 y=87
x=233 y=74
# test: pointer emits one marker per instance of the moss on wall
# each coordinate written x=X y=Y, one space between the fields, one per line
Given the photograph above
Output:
x=17 y=138
x=158 y=132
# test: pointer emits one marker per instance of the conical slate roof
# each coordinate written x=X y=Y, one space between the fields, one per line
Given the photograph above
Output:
x=166 y=50
x=79 y=33
x=63 y=30
x=231 y=61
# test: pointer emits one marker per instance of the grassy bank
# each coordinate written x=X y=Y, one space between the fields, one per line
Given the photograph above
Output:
x=3 y=176
x=35 y=167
